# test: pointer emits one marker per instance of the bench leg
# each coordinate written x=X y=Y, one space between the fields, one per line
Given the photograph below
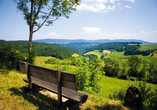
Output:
x=71 y=105
x=34 y=88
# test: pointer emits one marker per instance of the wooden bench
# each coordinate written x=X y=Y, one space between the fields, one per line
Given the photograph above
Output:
x=62 y=83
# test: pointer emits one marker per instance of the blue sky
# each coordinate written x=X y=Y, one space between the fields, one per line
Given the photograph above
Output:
x=94 y=19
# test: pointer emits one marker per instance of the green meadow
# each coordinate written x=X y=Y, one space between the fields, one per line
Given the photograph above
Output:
x=148 y=46
x=13 y=96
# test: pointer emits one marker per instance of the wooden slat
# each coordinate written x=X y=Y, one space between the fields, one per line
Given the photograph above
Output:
x=67 y=93
x=69 y=85
x=74 y=95
x=43 y=73
x=43 y=84
x=69 y=81
x=23 y=67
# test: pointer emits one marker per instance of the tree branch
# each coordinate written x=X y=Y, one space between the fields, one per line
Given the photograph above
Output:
x=45 y=19
x=44 y=13
x=37 y=13
x=55 y=19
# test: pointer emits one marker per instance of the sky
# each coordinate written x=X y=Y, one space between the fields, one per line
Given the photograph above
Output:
x=94 y=19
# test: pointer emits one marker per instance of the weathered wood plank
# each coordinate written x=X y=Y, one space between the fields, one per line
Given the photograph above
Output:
x=23 y=67
x=67 y=93
x=69 y=81
x=43 y=84
x=59 y=87
x=43 y=73
x=69 y=85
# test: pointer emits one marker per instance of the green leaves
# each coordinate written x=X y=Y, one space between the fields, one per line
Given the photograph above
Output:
x=45 y=10
x=88 y=74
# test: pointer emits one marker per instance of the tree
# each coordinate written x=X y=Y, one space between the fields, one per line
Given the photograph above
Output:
x=134 y=64
x=47 y=11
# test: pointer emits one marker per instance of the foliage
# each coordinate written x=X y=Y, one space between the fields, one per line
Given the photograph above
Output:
x=91 y=56
x=134 y=66
x=135 y=50
x=152 y=72
x=118 y=94
x=31 y=56
x=117 y=46
x=134 y=63
x=147 y=92
x=88 y=74
x=88 y=71
x=111 y=67
x=9 y=57
x=41 y=49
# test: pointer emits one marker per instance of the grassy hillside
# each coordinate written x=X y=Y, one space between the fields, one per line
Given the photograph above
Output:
x=42 y=49
x=13 y=97
x=95 y=52
x=148 y=46
x=121 y=56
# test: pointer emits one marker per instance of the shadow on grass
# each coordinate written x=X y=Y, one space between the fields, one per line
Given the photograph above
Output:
x=37 y=99
x=109 y=107
x=121 y=106
x=3 y=71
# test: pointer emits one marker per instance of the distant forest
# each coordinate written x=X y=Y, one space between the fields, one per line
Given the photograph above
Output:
x=42 y=49
x=63 y=51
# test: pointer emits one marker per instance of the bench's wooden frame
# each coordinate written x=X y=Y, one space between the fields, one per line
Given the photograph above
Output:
x=62 y=83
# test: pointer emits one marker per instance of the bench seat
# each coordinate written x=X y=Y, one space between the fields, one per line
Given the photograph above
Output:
x=67 y=93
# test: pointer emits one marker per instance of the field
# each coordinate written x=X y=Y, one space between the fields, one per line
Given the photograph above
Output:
x=75 y=55
x=95 y=52
x=106 y=51
x=148 y=46
x=121 y=56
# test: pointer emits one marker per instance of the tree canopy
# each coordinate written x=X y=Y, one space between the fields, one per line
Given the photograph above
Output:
x=44 y=12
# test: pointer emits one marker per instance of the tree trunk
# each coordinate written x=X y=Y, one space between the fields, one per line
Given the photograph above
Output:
x=30 y=40
x=31 y=28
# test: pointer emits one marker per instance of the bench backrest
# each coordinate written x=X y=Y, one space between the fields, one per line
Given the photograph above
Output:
x=67 y=80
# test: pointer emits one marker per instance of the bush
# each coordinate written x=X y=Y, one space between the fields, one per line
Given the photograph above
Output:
x=88 y=74
x=10 y=58
x=31 y=56
x=149 y=95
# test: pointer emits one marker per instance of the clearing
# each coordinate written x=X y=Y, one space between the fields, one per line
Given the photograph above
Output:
x=75 y=55
x=106 y=51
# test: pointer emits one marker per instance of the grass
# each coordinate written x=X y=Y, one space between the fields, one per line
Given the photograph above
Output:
x=117 y=55
x=95 y=52
x=13 y=96
x=148 y=46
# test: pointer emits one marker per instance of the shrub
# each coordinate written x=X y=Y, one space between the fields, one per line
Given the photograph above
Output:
x=88 y=74
x=149 y=95
x=31 y=56
x=10 y=58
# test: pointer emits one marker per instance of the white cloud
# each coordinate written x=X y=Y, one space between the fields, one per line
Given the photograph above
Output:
x=151 y=32
x=19 y=33
x=127 y=6
x=96 y=5
x=54 y=34
x=130 y=0
x=112 y=1
x=102 y=5
x=91 y=30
